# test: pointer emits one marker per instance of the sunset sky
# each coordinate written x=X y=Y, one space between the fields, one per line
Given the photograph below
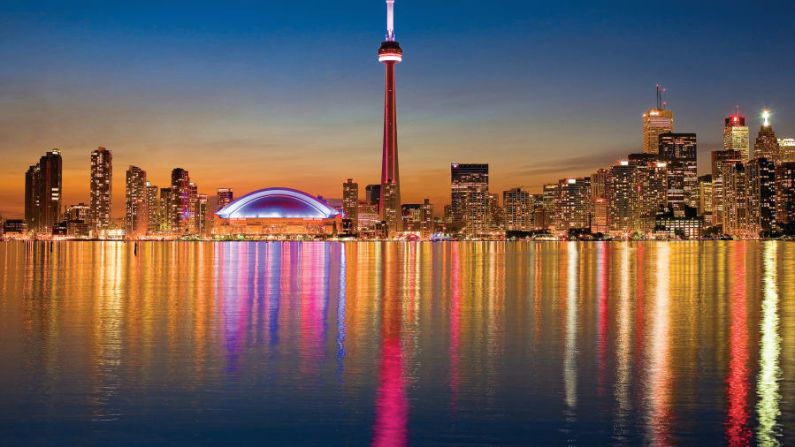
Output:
x=253 y=94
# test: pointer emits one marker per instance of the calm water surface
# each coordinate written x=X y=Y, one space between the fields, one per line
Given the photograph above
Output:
x=394 y=344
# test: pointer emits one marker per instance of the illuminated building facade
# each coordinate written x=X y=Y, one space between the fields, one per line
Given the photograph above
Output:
x=650 y=190
x=761 y=194
x=735 y=136
x=656 y=121
x=136 y=218
x=390 y=54
x=785 y=194
x=181 y=206
x=722 y=162
x=152 y=208
x=599 y=205
x=622 y=197
x=412 y=216
x=544 y=215
x=201 y=226
x=277 y=212
x=167 y=210
x=43 y=191
x=679 y=152
x=736 y=216
x=518 y=209
x=101 y=189
x=77 y=219
x=350 y=202
x=787 y=148
x=470 y=201
x=224 y=196
x=573 y=209
x=427 y=226
x=705 y=197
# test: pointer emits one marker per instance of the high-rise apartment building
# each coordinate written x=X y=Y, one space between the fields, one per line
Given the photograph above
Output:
x=101 y=189
x=350 y=202
x=225 y=196
x=136 y=218
x=167 y=210
x=650 y=190
x=182 y=215
x=470 y=201
x=518 y=210
x=201 y=226
x=43 y=192
x=679 y=152
x=656 y=121
x=152 y=208
x=573 y=210
x=735 y=135
x=622 y=197
x=196 y=221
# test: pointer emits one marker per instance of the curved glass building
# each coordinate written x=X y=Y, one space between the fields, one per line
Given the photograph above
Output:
x=274 y=212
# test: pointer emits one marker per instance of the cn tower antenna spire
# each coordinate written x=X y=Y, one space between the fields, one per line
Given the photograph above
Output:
x=390 y=20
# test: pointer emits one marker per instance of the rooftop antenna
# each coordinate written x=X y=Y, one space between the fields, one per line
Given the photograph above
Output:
x=390 y=20
x=660 y=103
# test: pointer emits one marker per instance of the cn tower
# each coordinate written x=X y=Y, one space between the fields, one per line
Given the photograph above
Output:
x=390 y=54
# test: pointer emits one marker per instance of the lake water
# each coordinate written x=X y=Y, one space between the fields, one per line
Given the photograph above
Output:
x=475 y=343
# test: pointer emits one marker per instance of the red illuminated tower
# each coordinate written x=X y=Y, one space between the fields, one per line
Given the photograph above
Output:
x=390 y=54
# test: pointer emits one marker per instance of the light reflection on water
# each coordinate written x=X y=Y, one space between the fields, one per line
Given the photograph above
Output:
x=395 y=344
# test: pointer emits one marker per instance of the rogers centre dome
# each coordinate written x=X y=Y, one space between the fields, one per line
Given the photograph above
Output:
x=275 y=212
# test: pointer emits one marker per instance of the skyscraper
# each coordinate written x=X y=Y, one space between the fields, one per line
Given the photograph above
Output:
x=350 y=202
x=735 y=135
x=736 y=218
x=722 y=161
x=182 y=211
x=101 y=188
x=656 y=121
x=152 y=208
x=469 y=197
x=225 y=197
x=167 y=210
x=705 y=198
x=43 y=192
x=136 y=216
x=622 y=197
x=201 y=225
x=650 y=190
x=785 y=195
x=766 y=144
x=390 y=54
x=573 y=210
x=679 y=152
x=32 y=196
x=761 y=194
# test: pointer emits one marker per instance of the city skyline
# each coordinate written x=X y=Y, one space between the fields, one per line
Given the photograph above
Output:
x=516 y=146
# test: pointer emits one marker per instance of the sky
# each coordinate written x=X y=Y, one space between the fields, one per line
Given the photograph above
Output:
x=255 y=94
